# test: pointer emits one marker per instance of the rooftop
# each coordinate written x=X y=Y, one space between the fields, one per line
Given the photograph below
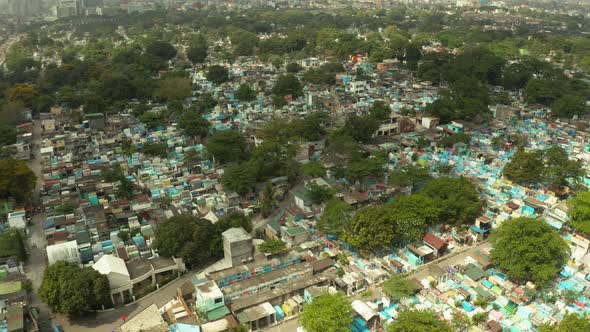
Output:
x=236 y=234
x=265 y=278
x=149 y=319
x=209 y=289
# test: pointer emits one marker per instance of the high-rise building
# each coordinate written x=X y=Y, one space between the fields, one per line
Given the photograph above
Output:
x=67 y=8
x=24 y=7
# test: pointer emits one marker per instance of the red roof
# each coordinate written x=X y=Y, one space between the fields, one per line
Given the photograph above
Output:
x=435 y=241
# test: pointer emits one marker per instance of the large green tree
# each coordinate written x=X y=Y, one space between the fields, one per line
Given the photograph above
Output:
x=193 y=124
x=239 y=177
x=570 y=323
x=161 y=49
x=17 y=179
x=193 y=239
x=568 y=106
x=580 y=212
x=457 y=197
x=327 y=313
x=228 y=146
x=287 y=85
x=68 y=289
x=398 y=287
x=528 y=249
x=217 y=74
x=335 y=217
x=245 y=93
x=418 y=320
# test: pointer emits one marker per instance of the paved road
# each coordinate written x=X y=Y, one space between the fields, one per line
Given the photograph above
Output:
x=36 y=265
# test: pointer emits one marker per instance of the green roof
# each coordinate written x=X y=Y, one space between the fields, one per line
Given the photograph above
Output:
x=474 y=272
x=10 y=287
x=218 y=313
x=294 y=231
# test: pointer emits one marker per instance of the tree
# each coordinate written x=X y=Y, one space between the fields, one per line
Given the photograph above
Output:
x=568 y=106
x=551 y=167
x=17 y=180
x=335 y=217
x=197 y=50
x=245 y=93
x=379 y=110
x=360 y=128
x=327 y=313
x=580 y=212
x=125 y=189
x=233 y=220
x=370 y=228
x=570 y=323
x=272 y=246
x=172 y=88
x=287 y=85
x=228 y=146
x=524 y=168
x=161 y=49
x=73 y=291
x=193 y=124
x=313 y=169
x=528 y=249
x=193 y=239
x=398 y=287
x=319 y=193
x=155 y=149
x=418 y=320
x=293 y=68
x=12 y=245
x=24 y=94
x=239 y=177
x=457 y=197
x=7 y=135
x=410 y=176
x=123 y=235
x=217 y=74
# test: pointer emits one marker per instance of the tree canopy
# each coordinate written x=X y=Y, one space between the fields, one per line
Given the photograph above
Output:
x=287 y=85
x=17 y=180
x=570 y=323
x=217 y=74
x=551 y=167
x=457 y=198
x=327 y=313
x=528 y=249
x=398 y=287
x=335 y=217
x=70 y=290
x=580 y=212
x=161 y=49
x=228 y=146
x=418 y=320
x=193 y=239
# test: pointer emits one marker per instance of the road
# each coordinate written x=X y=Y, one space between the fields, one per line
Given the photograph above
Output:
x=36 y=265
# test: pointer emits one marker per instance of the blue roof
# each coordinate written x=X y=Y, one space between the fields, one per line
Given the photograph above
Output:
x=178 y=327
x=477 y=229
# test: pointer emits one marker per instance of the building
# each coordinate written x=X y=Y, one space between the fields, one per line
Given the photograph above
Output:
x=116 y=271
x=17 y=220
x=68 y=8
x=237 y=246
x=149 y=319
x=24 y=7
x=67 y=251
x=210 y=301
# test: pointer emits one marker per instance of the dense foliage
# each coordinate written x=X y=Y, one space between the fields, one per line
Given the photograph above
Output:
x=17 y=180
x=528 y=249
x=418 y=320
x=551 y=167
x=68 y=289
x=327 y=313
